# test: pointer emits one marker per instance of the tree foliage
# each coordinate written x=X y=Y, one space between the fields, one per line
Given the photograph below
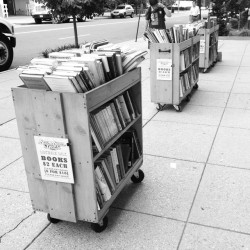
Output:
x=74 y=7
x=230 y=11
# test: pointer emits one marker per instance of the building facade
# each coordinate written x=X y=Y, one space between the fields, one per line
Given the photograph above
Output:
x=18 y=7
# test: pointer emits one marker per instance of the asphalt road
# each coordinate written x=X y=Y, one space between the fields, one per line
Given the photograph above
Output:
x=32 y=39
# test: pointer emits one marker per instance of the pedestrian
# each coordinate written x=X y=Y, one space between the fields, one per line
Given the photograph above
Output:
x=155 y=15
x=194 y=13
x=248 y=18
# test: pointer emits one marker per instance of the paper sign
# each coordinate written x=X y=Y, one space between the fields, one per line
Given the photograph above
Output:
x=164 y=69
x=54 y=159
x=202 y=46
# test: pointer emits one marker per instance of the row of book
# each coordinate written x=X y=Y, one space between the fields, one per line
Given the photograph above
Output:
x=110 y=119
x=188 y=56
x=114 y=164
x=176 y=34
x=188 y=79
x=76 y=71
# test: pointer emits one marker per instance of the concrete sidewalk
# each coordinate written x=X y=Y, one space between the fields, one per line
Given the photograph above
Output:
x=196 y=190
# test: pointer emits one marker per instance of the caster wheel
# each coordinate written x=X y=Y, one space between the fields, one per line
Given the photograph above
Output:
x=177 y=108
x=99 y=227
x=188 y=98
x=52 y=220
x=160 y=107
x=138 y=176
x=196 y=86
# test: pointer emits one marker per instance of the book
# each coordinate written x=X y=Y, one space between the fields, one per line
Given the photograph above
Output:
x=130 y=105
x=91 y=63
x=98 y=142
x=126 y=151
x=120 y=160
x=115 y=165
x=105 y=191
x=34 y=81
x=104 y=167
x=44 y=61
x=109 y=164
x=119 y=113
x=60 y=83
x=117 y=120
x=74 y=76
x=124 y=109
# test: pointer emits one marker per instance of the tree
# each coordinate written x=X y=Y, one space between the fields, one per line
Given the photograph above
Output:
x=74 y=8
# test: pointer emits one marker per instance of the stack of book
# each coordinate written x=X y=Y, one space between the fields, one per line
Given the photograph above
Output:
x=176 y=34
x=77 y=71
x=113 y=165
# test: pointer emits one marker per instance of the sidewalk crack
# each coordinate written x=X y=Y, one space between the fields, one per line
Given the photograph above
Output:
x=11 y=230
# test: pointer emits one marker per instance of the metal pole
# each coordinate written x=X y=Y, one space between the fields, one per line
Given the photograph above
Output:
x=138 y=22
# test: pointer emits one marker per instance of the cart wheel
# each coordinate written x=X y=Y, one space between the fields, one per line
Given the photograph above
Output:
x=160 y=107
x=196 y=86
x=52 y=220
x=99 y=227
x=138 y=176
x=188 y=98
x=177 y=108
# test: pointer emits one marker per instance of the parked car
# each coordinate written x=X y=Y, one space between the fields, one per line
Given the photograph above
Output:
x=7 y=43
x=123 y=10
x=41 y=13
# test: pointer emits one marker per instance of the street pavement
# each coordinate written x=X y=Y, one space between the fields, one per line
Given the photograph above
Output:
x=196 y=190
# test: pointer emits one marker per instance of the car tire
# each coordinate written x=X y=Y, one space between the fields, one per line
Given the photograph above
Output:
x=132 y=15
x=6 y=53
x=38 y=20
x=124 y=15
x=112 y=16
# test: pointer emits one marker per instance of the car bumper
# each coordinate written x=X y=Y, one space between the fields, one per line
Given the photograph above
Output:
x=42 y=16
x=117 y=14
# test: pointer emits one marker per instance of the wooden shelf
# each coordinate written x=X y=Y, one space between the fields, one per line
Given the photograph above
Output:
x=168 y=91
x=66 y=115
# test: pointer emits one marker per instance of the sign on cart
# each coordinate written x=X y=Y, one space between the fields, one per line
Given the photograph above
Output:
x=54 y=159
x=164 y=69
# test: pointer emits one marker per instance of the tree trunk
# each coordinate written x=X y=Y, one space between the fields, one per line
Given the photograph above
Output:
x=75 y=31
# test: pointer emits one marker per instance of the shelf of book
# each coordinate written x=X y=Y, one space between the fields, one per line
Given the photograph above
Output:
x=46 y=115
x=174 y=71
x=208 y=47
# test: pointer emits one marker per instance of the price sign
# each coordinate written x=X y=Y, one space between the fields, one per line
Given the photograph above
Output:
x=202 y=46
x=54 y=159
x=164 y=69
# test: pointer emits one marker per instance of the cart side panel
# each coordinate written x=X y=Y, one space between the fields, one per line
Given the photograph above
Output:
x=50 y=122
x=161 y=90
x=77 y=125
x=26 y=127
x=176 y=70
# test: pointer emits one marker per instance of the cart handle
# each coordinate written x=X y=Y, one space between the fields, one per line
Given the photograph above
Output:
x=167 y=51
